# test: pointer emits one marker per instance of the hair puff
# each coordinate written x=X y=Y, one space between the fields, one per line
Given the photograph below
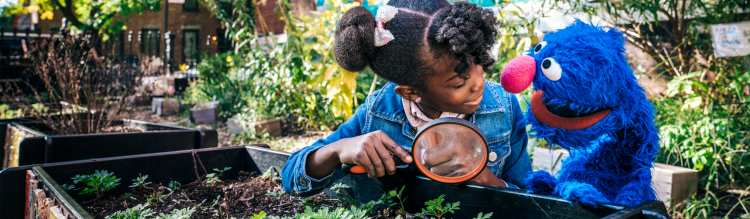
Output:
x=469 y=31
x=355 y=40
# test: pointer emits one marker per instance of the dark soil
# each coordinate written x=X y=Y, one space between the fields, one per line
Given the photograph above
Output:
x=239 y=198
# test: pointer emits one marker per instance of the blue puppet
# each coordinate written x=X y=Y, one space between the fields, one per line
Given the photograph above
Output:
x=588 y=101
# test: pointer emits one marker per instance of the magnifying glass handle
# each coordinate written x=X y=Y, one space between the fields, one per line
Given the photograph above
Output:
x=358 y=169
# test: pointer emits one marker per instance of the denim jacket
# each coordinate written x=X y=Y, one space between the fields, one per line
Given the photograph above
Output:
x=498 y=116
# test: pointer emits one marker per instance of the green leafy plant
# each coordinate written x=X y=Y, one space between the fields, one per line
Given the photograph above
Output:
x=67 y=187
x=174 y=185
x=484 y=216
x=344 y=197
x=184 y=213
x=221 y=172
x=97 y=183
x=158 y=196
x=140 y=182
x=138 y=212
x=212 y=178
x=260 y=215
x=435 y=207
x=276 y=194
x=393 y=198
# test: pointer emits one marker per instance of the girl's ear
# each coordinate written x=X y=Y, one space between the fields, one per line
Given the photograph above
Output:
x=407 y=92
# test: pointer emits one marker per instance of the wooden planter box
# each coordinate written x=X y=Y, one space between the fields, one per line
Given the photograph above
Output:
x=205 y=113
x=669 y=182
x=177 y=166
x=273 y=127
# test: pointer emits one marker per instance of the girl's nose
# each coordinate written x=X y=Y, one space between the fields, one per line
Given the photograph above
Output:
x=518 y=74
x=479 y=85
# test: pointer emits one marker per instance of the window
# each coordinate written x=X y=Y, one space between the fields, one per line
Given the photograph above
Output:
x=149 y=39
x=190 y=47
x=190 y=5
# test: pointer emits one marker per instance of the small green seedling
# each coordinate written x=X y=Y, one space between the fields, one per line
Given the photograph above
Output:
x=435 y=207
x=67 y=187
x=260 y=215
x=97 y=183
x=211 y=178
x=184 y=213
x=156 y=197
x=137 y=212
x=276 y=194
x=221 y=172
x=485 y=216
x=140 y=182
x=344 y=197
x=174 y=185
x=393 y=198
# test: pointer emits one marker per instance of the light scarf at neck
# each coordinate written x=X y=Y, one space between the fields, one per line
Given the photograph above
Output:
x=417 y=118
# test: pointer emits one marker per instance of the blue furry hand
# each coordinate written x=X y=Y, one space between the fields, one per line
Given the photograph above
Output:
x=540 y=182
x=580 y=193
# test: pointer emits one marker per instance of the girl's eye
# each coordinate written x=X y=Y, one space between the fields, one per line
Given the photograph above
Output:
x=460 y=85
x=539 y=47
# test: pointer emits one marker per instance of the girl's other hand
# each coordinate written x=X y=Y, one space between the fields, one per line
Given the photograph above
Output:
x=374 y=151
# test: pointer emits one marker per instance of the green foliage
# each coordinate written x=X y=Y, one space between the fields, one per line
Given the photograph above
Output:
x=435 y=207
x=67 y=187
x=97 y=183
x=212 y=178
x=341 y=191
x=221 y=172
x=393 y=198
x=88 y=14
x=184 y=213
x=260 y=215
x=7 y=113
x=140 y=182
x=158 y=196
x=174 y=185
x=137 y=212
x=217 y=66
x=484 y=216
x=338 y=213
x=276 y=194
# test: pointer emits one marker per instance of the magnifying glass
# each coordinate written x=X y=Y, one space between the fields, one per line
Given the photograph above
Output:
x=448 y=150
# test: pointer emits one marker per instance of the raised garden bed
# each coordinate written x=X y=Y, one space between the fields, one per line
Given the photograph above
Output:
x=180 y=166
x=37 y=145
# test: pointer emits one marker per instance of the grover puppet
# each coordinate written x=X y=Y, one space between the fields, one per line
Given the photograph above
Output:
x=587 y=101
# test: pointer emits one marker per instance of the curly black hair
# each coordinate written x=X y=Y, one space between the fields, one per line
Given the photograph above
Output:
x=422 y=29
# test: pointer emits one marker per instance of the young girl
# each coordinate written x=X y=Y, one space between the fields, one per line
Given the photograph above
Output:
x=434 y=54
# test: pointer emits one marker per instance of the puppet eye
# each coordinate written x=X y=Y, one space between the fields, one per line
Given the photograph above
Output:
x=551 y=69
x=539 y=47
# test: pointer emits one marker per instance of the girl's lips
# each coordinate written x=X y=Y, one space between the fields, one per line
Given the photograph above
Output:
x=474 y=102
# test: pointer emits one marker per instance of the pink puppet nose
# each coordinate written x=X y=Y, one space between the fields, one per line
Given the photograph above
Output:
x=518 y=74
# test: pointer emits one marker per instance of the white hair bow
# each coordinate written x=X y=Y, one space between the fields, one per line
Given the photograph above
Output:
x=385 y=14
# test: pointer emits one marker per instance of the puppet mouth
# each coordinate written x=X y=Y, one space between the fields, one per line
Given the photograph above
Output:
x=562 y=116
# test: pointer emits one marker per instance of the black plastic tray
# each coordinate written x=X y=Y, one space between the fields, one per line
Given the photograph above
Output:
x=178 y=166
x=60 y=148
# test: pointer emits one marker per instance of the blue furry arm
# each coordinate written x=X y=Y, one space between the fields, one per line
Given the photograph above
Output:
x=518 y=162
x=295 y=178
x=581 y=193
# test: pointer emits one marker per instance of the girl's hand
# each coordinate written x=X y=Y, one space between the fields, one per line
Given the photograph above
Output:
x=487 y=178
x=374 y=151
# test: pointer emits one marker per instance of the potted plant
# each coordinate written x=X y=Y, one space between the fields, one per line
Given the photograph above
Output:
x=170 y=106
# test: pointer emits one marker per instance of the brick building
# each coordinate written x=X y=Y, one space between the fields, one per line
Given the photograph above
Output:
x=194 y=30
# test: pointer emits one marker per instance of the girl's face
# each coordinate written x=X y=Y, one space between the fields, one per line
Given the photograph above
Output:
x=446 y=91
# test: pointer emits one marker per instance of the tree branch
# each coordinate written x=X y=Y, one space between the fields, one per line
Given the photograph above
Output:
x=68 y=13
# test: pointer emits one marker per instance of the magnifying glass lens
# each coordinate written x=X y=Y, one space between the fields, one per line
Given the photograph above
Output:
x=450 y=150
